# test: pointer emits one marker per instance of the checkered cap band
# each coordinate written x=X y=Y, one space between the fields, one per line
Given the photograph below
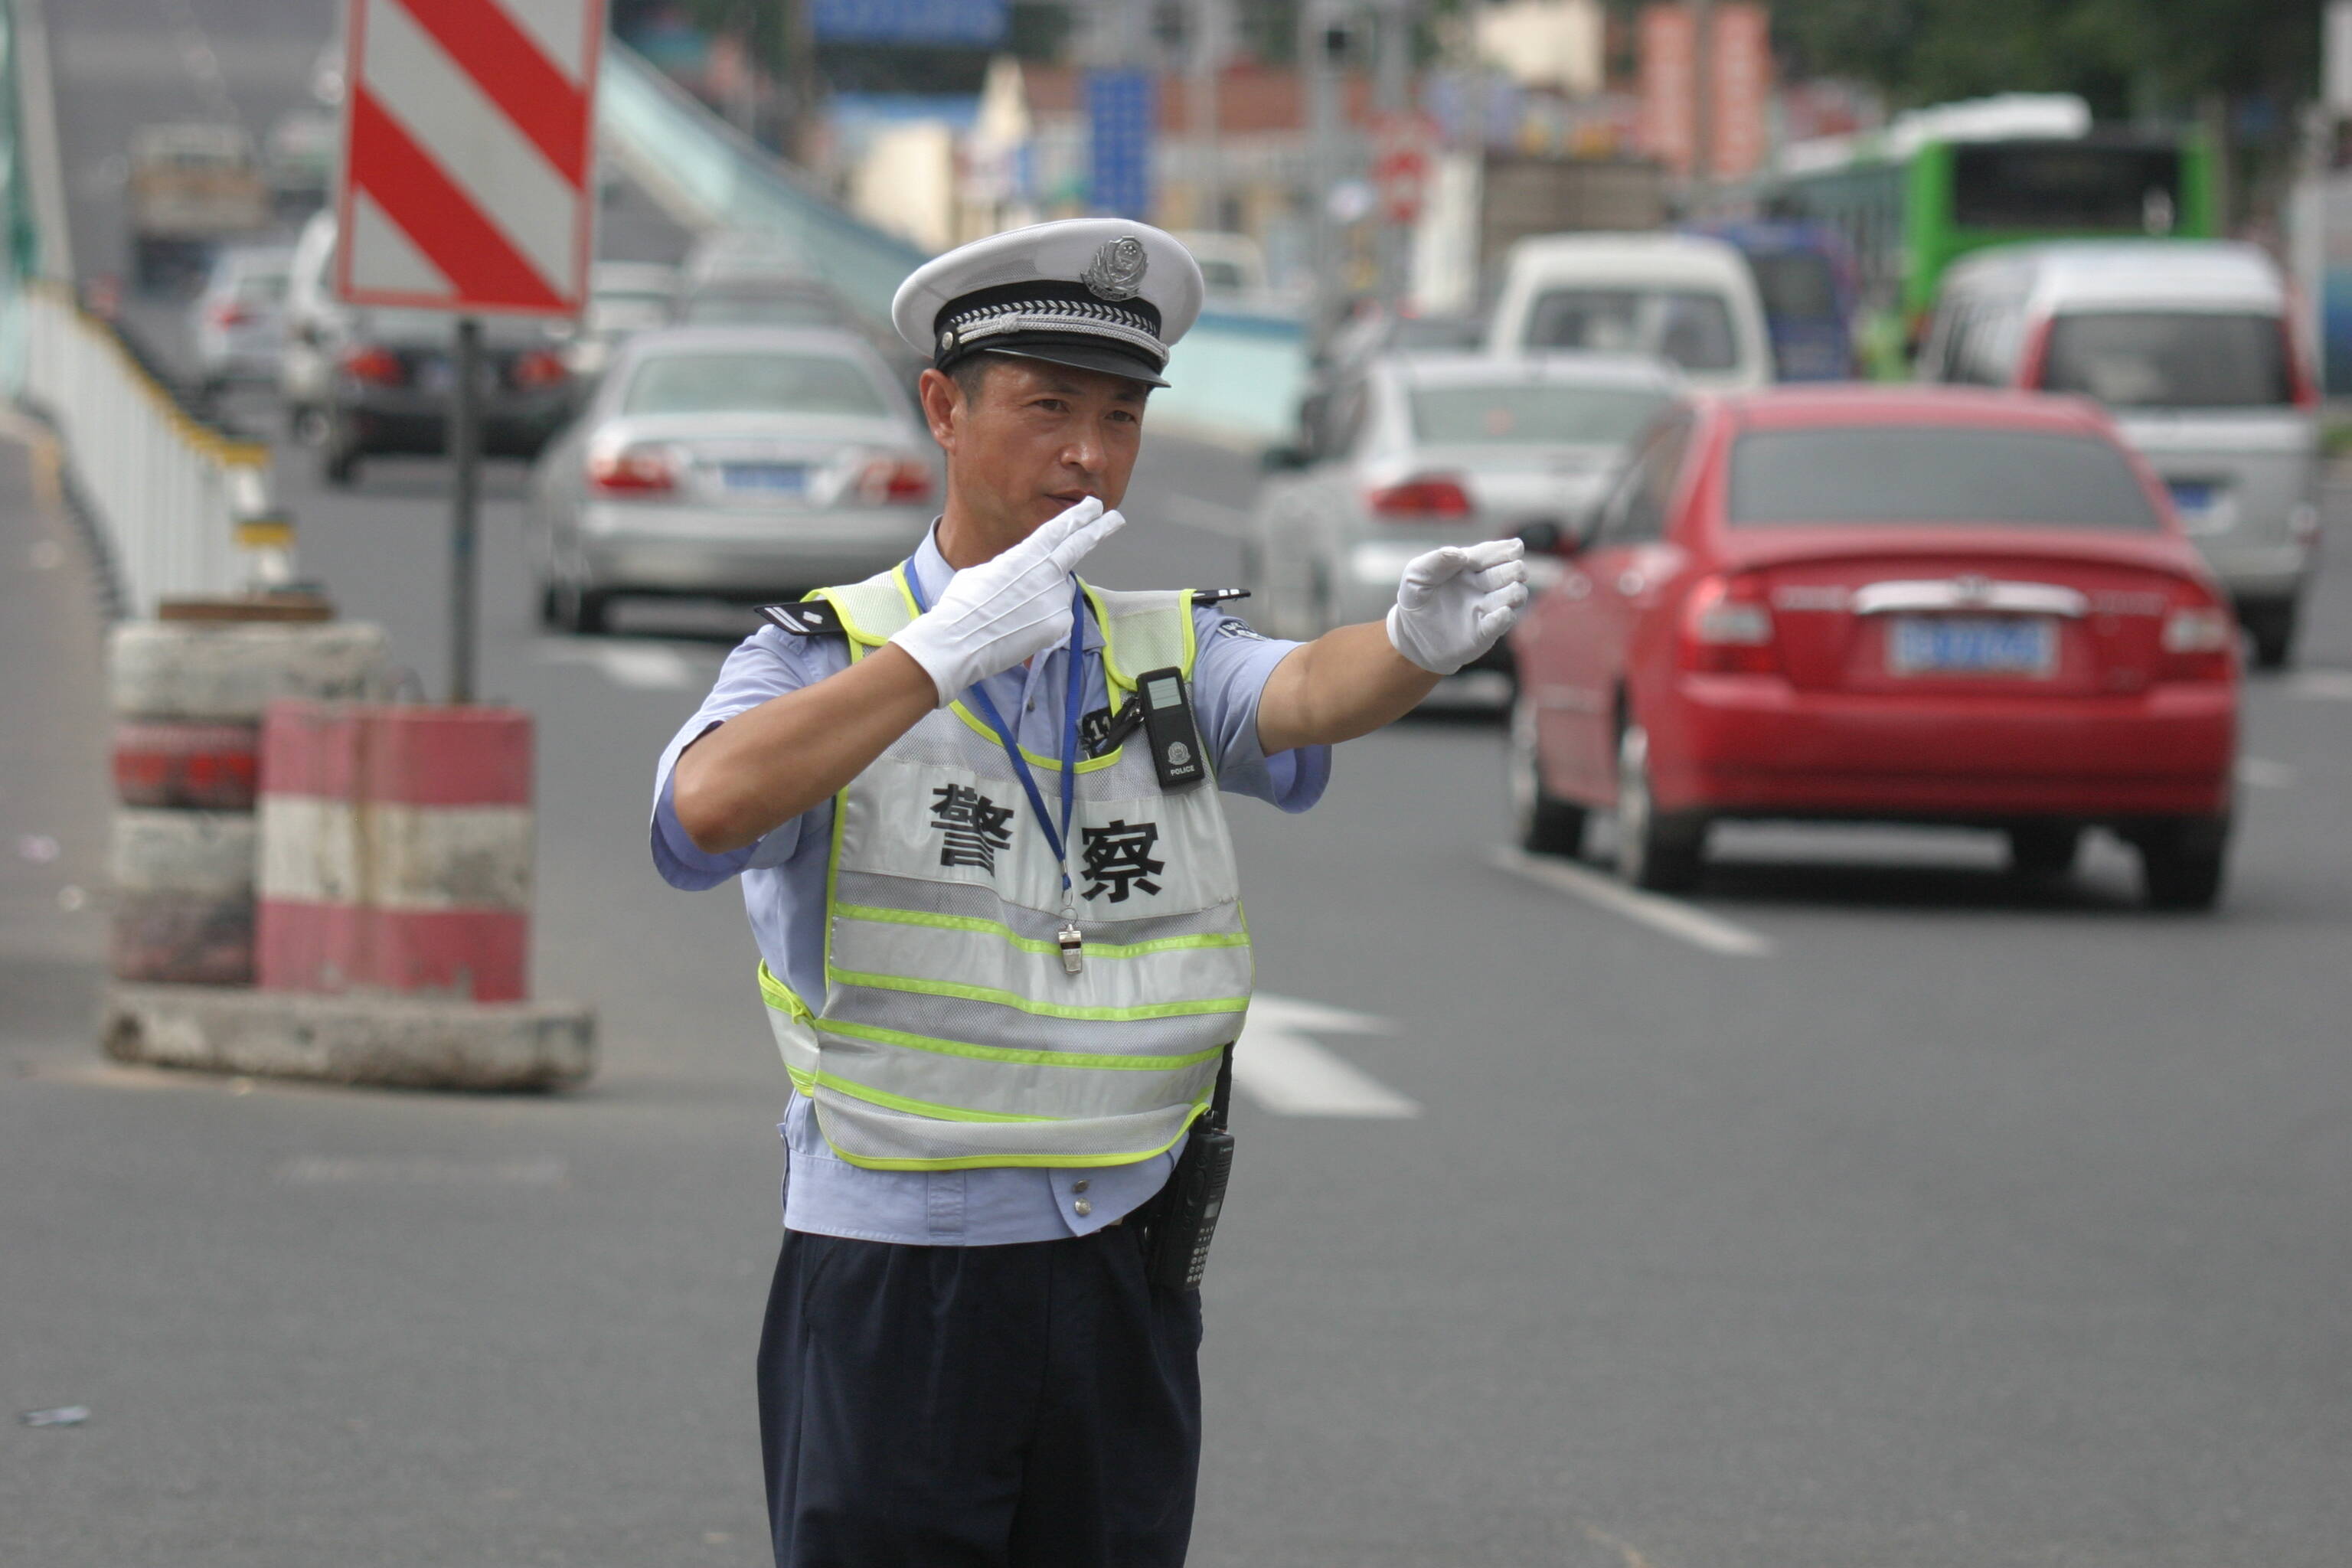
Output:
x=999 y=317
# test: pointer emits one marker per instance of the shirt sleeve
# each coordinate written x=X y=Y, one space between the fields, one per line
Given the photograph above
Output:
x=766 y=664
x=1229 y=674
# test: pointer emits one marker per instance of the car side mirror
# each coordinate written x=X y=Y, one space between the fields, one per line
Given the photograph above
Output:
x=1283 y=459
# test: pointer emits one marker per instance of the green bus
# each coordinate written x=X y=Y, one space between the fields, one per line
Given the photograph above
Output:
x=1910 y=206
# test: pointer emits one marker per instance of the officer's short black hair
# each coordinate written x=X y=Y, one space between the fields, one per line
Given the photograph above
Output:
x=971 y=373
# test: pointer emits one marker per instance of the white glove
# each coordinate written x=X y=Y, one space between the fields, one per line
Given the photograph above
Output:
x=1001 y=612
x=1457 y=602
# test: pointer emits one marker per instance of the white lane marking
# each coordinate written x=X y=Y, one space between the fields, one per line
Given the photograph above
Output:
x=420 y=1171
x=1655 y=911
x=1231 y=522
x=2264 y=773
x=2327 y=685
x=644 y=666
x=1277 y=1066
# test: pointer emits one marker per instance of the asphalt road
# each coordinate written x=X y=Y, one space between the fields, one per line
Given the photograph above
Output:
x=1868 y=1208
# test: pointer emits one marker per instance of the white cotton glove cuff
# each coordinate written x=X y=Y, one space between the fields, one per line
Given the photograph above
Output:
x=1454 y=603
x=995 y=614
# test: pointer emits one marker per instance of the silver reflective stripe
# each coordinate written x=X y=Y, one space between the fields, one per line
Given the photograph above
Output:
x=888 y=1139
x=986 y=962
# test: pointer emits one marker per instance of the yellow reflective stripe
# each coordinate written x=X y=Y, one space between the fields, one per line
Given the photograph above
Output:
x=873 y=1096
x=1031 y=944
x=906 y=590
x=876 y=1035
x=1036 y=1009
x=987 y=1162
x=781 y=997
x=1053 y=764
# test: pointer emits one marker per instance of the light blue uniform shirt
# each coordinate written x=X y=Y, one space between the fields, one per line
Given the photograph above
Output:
x=783 y=890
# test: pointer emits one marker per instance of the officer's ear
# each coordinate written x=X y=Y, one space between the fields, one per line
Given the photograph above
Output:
x=944 y=405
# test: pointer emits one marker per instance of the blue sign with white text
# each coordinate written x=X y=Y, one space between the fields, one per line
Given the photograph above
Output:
x=1122 y=113
x=979 y=23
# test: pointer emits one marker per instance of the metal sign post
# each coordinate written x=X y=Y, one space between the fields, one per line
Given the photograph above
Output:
x=465 y=503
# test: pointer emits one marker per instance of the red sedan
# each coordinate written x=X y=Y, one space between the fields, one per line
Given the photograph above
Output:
x=1889 y=604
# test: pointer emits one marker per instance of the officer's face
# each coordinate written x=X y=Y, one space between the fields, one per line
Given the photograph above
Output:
x=1035 y=440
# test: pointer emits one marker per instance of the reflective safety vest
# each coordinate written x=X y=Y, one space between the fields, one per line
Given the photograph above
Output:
x=952 y=1035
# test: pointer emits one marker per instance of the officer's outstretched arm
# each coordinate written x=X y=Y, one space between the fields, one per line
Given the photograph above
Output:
x=1452 y=606
x=764 y=767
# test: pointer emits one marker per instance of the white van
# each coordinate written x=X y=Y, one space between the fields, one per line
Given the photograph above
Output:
x=1681 y=298
x=2191 y=346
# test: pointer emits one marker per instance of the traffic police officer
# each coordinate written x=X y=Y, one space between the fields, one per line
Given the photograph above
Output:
x=1001 y=942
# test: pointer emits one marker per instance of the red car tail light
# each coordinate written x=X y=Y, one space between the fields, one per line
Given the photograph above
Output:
x=539 y=368
x=1424 y=498
x=640 y=471
x=2199 y=642
x=896 y=480
x=1728 y=629
x=379 y=366
x=228 y=314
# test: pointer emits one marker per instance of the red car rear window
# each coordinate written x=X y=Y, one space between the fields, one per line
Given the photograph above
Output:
x=1934 y=474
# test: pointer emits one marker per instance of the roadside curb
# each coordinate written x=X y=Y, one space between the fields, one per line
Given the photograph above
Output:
x=391 y=1042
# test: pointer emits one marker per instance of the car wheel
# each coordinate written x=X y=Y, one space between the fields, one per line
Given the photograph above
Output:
x=2045 y=851
x=2272 y=629
x=583 y=611
x=2181 y=862
x=1543 y=823
x=1664 y=852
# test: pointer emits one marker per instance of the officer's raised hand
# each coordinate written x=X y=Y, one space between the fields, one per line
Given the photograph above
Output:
x=1457 y=602
x=1001 y=612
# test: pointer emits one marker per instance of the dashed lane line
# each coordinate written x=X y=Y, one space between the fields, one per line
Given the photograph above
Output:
x=1655 y=911
x=2262 y=773
x=2327 y=685
x=1277 y=1065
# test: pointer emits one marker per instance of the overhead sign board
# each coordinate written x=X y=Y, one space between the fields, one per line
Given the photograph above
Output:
x=978 y=23
x=1122 y=113
x=468 y=179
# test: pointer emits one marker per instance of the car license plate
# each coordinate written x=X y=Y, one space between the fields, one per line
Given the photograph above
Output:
x=434 y=377
x=2192 y=497
x=768 y=478
x=1956 y=645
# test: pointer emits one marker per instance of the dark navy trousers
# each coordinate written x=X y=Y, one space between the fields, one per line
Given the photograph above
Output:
x=1014 y=1406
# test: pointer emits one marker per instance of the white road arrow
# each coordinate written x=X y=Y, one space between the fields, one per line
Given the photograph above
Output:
x=1280 y=1068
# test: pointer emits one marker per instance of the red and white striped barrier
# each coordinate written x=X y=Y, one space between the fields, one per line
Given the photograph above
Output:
x=395 y=851
x=163 y=763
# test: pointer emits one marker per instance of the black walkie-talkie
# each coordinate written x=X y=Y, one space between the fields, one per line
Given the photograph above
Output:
x=1187 y=1221
x=1168 y=723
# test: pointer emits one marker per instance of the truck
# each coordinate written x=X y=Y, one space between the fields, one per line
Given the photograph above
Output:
x=192 y=185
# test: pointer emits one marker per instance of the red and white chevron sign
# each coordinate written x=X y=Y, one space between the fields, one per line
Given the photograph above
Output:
x=469 y=154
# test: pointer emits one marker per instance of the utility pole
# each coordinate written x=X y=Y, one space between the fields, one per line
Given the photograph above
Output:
x=465 y=508
x=1318 y=22
x=1392 y=96
x=1702 y=181
x=1208 y=53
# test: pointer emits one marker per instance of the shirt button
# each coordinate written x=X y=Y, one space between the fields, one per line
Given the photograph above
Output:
x=1080 y=1185
x=1083 y=1208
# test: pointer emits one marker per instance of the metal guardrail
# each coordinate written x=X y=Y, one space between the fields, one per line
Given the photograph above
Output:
x=169 y=490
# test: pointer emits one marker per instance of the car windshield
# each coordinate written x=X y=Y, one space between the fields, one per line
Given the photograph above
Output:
x=1925 y=474
x=1690 y=327
x=742 y=383
x=1796 y=285
x=759 y=310
x=2170 y=360
x=1528 y=413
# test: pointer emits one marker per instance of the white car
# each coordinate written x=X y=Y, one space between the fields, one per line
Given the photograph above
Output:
x=1424 y=450
x=744 y=463
x=1681 y=298
x=238 y=322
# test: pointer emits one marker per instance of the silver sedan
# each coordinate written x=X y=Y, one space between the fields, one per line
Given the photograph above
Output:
x=747 y=464
x=1424 y=450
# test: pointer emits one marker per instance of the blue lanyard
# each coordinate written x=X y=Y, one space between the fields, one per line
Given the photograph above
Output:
x=1076 y=694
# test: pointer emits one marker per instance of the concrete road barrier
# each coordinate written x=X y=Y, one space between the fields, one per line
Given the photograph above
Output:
x=229 y=672
x=184 y=906
x=173 y=764
x=383 y=1041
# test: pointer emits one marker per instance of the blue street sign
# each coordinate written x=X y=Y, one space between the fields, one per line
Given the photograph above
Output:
x=979 y=23
x=1122 y=115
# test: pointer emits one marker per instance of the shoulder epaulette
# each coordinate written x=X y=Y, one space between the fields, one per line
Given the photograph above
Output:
x=1218 y=595
x=805 y=617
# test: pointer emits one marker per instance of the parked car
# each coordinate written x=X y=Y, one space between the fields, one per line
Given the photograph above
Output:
x=2190 y=344
x=314 y=327
x=1680 y=298
x=238 y=322
x=397 y=377
x=1924 y=606
x=1426 y=450
x=741 y=463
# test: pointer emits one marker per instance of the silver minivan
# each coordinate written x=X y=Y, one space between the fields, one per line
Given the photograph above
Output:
x=2191 y=346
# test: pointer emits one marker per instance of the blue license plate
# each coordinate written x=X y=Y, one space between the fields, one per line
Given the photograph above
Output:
x=770 y=479
x=1957 y=645
x=2192 y=496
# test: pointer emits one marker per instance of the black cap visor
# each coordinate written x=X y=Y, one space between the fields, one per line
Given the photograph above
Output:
x=1108 y=358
